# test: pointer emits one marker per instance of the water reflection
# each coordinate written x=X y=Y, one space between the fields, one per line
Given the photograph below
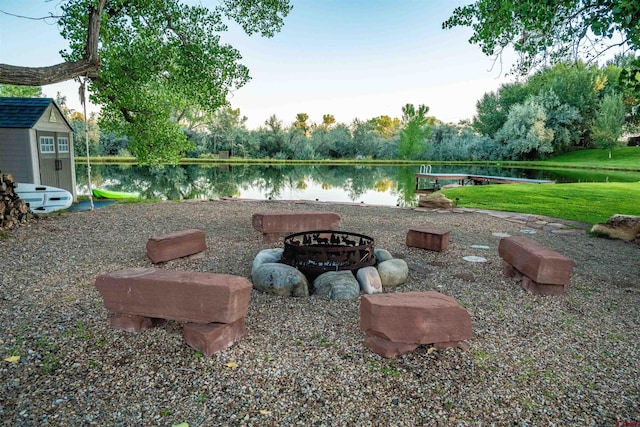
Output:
x=387 y=185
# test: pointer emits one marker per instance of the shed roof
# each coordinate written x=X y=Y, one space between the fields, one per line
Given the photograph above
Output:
x=22 y=112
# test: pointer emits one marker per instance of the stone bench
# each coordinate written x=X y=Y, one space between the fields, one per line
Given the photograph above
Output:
x=542 y=271
x=213 y=305
x=272 y=224
x=166 y=247
x=432 y=239
x=397 y=323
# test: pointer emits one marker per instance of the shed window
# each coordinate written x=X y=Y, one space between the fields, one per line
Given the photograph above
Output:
x=46 y=144
x=63 y=145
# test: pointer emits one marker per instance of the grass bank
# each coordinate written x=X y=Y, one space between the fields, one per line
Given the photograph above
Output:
x=584 y=202
x=624 y=158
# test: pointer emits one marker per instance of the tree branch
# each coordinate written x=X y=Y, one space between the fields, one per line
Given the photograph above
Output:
x=40 y=76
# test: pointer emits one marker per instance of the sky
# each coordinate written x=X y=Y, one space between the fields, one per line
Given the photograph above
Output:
x=352 y=59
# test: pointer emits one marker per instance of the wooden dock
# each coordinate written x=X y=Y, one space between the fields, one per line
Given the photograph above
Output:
x=470 y=179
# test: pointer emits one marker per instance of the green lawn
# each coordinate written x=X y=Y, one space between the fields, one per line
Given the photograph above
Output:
x=585 y=202
x=622 y=158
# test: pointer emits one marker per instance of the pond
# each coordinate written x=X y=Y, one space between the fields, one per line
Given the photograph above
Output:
x=382 y=185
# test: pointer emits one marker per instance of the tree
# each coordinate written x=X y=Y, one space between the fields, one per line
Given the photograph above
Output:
x=608 y=125
x=328 y=120
x=148 y=59
x=415 y=131
x=524 y=135
x=77 y=122
x=14 y=91
x=493 y=108
x=549 y=30
x=301 y=123
x=386 y=126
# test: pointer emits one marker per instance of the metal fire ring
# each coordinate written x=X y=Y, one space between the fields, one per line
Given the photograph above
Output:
x=318 y=251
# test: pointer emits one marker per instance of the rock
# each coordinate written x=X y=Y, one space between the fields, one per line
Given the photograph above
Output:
x=187 y=296
x=393 y=272
x=382 y=255
x=214 y=337
x=415 y=317
x=539 y=263
x=386 y=348
x=435 y=201
x=280 y=279
x=369 y=280
x=624 y=227
x=265 y=256
x=429 y=238
x=337 y=285
x=179 y=244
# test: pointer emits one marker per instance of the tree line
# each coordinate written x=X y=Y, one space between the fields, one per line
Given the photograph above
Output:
x=161 y=75
x=558 y=109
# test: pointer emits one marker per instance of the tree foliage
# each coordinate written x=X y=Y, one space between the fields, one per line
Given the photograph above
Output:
x=14 y=91
x=413 y=135
x=608 y=125
x=550 y=31
x=152 y=58
x=525 y=136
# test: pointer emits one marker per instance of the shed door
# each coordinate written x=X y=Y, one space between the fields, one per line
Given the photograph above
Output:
x=47 y=157
x=54 y=153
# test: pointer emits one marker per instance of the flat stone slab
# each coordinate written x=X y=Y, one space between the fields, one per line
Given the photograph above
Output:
x=272 y=224
x=166 y=247
x=175 y=295
x=539 y=263
x=432 y=239
x=414 y=317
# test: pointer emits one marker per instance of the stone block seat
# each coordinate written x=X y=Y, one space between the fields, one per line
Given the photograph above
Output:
x=542 y=271
x=213 y=305
x=397 y=323
x=432 y=239
x=166 y=247
x=272 y=224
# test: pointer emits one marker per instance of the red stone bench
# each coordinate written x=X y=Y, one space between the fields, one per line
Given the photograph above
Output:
x=272 y=224
x=214 y=305
x=542 y=271
x=166 y=247
x=432 y=239
x=397 y=323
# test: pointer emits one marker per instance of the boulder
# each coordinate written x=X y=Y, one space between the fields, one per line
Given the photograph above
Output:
x=624 y=227
x=382 y=255
x=265 y=256
x=369 y=280
x=280 y=279
x=393 y=272
x=337 y=285
x=435 y=201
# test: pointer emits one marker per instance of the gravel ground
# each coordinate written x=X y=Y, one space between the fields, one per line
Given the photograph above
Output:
x=533 y=361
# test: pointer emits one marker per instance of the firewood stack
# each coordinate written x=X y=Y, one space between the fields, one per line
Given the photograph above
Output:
x=13 y=210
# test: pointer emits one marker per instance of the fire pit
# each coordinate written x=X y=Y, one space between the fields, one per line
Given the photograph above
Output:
x=316 y=252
